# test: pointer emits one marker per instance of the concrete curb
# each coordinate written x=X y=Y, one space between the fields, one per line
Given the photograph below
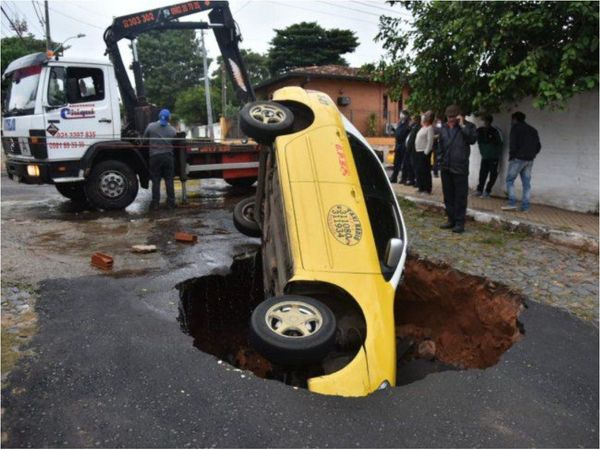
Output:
x=574 y=239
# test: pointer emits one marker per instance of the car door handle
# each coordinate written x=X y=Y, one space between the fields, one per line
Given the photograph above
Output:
x=105 y=120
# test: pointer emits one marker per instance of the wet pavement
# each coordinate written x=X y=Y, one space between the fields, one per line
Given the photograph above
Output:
x=112 y=368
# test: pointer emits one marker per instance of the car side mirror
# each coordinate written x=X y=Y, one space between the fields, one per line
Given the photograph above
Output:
x=393 y=252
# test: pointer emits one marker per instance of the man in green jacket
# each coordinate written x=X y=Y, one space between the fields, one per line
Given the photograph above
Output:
x=490 y=144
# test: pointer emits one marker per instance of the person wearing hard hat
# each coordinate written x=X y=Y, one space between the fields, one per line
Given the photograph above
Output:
x=160 y=135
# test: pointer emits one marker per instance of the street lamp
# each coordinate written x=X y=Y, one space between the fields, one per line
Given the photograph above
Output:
x=80 y=35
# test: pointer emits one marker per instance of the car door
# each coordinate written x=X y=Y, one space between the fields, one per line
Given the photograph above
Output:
x=77 y=110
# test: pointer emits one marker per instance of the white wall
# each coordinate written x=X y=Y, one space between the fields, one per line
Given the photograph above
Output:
x=565 y=172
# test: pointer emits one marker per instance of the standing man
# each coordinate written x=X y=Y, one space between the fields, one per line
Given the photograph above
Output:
x=524 y=147
x=408 y=165
x=401 y=134
x=490 y=146
x=455 y=140
x=162 y=164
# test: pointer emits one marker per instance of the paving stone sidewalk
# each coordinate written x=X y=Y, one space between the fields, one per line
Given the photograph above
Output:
x=548 y=216
x=542 y=271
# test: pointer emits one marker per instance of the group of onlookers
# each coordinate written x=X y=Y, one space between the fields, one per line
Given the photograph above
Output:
x=445 y=147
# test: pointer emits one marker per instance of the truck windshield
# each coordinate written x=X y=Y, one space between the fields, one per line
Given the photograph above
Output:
x=23 y=91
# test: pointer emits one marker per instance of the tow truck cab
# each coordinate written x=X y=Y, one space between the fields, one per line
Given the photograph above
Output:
x=55 y=111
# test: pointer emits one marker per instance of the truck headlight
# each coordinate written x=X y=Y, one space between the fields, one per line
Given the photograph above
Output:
x=33 y=170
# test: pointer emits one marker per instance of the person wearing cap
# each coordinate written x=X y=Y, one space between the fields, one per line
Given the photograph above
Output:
x=455 y=139
x=162 y=164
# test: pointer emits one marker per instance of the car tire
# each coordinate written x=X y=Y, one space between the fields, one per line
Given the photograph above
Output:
x=243 y=217
x=241 y=182
x=263 y=121
x=111 y=185
x=72 y=191
x=294 y=345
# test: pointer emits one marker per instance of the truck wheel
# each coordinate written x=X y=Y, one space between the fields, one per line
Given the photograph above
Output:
x=111 y=185
x=240 y=182
x=243 y=217
x=264 y=121
x=292 y=330
x=72 y=191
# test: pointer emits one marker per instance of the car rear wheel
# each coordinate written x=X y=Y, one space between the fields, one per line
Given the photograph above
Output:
x=111 y=185
x=293 y=330
x=72 y=191
x=263 y=121
x=240 y=182
x=243 y=217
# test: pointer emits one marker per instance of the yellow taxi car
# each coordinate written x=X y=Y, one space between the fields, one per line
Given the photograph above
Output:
x=333 y=246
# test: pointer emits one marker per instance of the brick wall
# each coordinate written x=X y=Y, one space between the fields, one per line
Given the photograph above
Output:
x=365 y=98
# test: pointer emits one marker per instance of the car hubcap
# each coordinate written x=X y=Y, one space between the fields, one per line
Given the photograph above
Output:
x=294 y=319
x=267 y=114
x=248 y=211
x=112 y=184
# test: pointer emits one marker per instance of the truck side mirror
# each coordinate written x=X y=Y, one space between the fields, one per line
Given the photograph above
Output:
x=393 y=252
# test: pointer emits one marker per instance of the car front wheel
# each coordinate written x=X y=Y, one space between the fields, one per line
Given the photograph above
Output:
x=293 y=330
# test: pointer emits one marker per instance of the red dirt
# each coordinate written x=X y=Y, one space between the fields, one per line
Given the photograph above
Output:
x=471 y=320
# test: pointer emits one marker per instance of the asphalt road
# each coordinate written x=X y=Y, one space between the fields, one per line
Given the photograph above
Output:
x=113 y=369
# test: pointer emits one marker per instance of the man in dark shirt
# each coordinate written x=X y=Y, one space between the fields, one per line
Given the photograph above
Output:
x=162 y=165
x=455 y=140
x=490 y=144
x=401 y=134
x=524 y=147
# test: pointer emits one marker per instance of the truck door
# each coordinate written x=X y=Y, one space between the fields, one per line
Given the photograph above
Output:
x=77 y=112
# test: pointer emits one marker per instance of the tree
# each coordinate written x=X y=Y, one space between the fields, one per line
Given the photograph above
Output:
x=191 y=105
x=257 y=66
x=483 y=55
x=171 y=63
x=307 y=44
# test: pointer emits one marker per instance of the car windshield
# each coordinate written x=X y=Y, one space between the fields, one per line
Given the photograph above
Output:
x=23 y=90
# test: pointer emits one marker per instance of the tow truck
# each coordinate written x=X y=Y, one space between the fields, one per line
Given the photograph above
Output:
x=62 y=123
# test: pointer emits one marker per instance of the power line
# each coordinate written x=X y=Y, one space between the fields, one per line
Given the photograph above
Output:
x=351 y=9
x=14 y=27
x=93 y=11
x=20 y=14
x=241 y=7
x=75 y=19
x=381 y=8
x=321 y=12
x=39 y=15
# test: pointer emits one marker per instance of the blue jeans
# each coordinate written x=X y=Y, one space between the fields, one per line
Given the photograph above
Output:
x=523 y=168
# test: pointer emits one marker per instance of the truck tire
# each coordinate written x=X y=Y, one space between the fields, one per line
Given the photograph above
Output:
x=243 y=217
x=263 y=121
x=111 y=185
x=72 y=191
x=278 y=332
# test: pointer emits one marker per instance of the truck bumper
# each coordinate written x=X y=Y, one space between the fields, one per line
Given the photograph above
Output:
x=44 y=172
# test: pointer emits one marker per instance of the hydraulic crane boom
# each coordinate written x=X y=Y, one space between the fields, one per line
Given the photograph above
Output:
x=166 y=18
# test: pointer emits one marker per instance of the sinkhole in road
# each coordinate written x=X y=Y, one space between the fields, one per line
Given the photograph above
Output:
x=445 y=319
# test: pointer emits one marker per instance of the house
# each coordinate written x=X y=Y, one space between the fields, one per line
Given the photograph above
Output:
x=356 y=95
x=565 y=172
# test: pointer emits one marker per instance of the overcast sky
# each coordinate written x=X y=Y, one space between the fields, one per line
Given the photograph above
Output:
x=256 y=19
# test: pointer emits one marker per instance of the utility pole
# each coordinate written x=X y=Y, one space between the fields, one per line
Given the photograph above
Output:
x=211 y=134
x=48 y=42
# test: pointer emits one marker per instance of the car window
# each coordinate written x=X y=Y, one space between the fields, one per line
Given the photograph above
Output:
x=379 y=198
x=86 y=84
x=57 y=89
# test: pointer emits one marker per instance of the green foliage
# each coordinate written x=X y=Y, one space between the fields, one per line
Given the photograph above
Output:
x=307 y=44
x=171 y=63
x=190 y=105
x=482 y=54
x=257 y=66
x=15 y=47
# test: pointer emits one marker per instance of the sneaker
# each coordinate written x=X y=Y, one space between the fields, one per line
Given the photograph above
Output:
x=477 y=194
x=447 y=226
x=524 y=209
x=509 y=208
x=458 y=229
x=171 y=206
x=485 y=195
x=153 y=206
